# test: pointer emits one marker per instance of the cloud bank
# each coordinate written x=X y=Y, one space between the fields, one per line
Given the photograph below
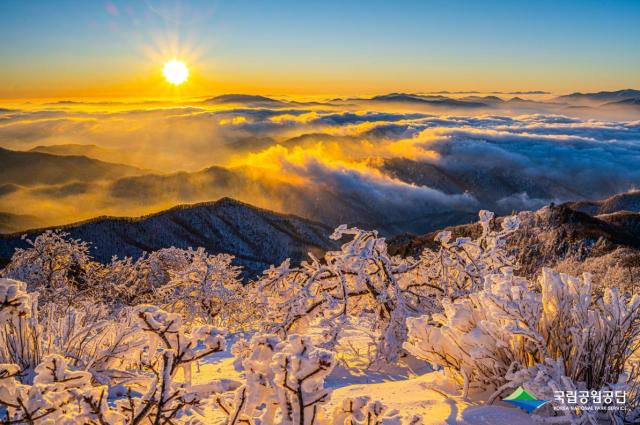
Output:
x=397 y=170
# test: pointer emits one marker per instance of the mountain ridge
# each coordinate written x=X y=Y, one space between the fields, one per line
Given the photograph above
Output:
x=52 y=169
x=257 y=237
x=601 y=96
x=550 y=235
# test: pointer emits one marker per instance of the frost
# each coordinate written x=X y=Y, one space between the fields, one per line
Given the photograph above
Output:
x=122 y=343
x=508 y=335
x=362 y=281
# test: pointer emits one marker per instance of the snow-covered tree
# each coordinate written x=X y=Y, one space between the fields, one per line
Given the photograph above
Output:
x=200 y=286
x=64 y=372
x=207 y=288
x=509 y=333
x=363 y=281
x=57 y=266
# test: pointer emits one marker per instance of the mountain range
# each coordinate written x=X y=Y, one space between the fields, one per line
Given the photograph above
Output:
x=43 y=176
x=89 y=180
x=88 y=150
x=256 y=237
x=625 y=97
x=259 y=238
x=602 y=97
x=428 y=100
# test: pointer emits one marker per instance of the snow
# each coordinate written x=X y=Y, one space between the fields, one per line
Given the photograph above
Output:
x=357 y=337
x=431 y=396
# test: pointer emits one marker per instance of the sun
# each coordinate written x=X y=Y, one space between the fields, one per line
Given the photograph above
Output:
x=175 y=72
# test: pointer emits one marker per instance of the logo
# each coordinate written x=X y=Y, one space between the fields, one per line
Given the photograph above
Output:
x=524 y=400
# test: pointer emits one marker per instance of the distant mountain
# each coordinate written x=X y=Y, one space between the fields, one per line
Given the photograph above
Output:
x=488 y=184
x=600 y=97
x=257 y=237
x=91 y=151
x=246 y=99
x=181 y=186
x=328 y=205
x=428 y=100
x=527 y=92
x=8 y=188
x=10 y=223
x=483 y=99
x=629 y=201
x=633 y=101
x=547 y=237
x=30 y=168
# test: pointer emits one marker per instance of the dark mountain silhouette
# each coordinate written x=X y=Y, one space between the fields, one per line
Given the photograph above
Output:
x=600 y=97
x=483 y=99
x=246 y=99
x=181 y=186
x=13 y=222
x=44 y=168
x=257 y=237
x=428 y=100
x=489 y=185
x=328 y=205
x=633 y=102
x=90 y=151
x=8 y=188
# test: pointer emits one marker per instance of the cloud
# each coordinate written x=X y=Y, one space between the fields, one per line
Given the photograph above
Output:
x=585 y=160
x=395 y=170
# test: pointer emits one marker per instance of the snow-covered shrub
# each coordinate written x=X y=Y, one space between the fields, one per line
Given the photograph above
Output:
x=207 y=288
x=37 y=386
x=284 y=385
x=170 y=348
x=459 y=266
x=55 y=265
x=362 y=411
x=63 y=370
x=141 y=281
x=20 y=341
x=58 y=395
x=14 y=300
x=284 y=382
x=299 y=374
x=83 y=336
x=200 y=286
x=507 y=333
x=364 y=283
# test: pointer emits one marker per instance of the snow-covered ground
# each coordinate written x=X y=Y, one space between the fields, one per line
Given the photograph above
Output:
x=412 y=390
x=357 y=338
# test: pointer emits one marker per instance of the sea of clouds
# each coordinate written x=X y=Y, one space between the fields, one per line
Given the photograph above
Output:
x=373 y=165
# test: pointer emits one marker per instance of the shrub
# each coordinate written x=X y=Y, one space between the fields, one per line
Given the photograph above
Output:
x=509 y=334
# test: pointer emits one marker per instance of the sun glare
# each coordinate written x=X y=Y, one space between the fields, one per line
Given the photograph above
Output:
x=175 y=72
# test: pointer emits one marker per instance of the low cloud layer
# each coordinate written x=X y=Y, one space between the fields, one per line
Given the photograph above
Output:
x=398 y=170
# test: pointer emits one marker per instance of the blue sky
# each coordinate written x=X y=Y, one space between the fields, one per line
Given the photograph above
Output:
x=53 y=47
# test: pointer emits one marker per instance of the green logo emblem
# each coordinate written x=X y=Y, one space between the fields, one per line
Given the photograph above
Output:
x=524 y=400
